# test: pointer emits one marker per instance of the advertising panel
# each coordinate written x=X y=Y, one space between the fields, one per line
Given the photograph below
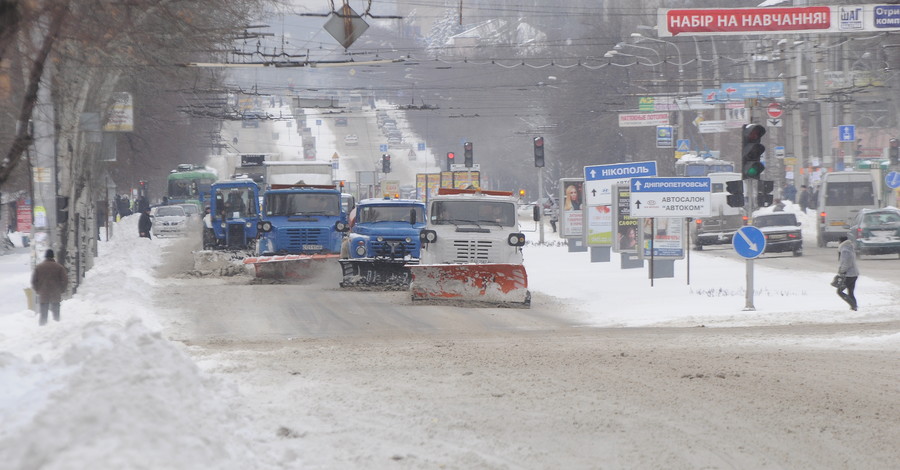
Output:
x=571 y=214
x=626 y=226
x=662 y=238
x=599 y=226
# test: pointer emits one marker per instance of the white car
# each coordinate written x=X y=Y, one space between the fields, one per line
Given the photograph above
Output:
x=351 y=139
x=169 y=221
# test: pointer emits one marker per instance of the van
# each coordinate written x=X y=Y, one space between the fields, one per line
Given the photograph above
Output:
x=841 y=196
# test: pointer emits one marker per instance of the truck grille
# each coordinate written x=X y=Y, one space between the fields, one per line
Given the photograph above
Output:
x=392 y=248
x=235 y=236
x=296 y=238
x=472 y=251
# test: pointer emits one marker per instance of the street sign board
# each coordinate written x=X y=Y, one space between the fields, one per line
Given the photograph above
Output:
x=749 y=242
x=383 y=148
x=684 y=145
x=743 y=90
x=892 y=180
x=597 y=179
x=670 y=197
x=774 y=110
x=421 y=147
x=664 y=136
x=779 y=151
x=847 y=133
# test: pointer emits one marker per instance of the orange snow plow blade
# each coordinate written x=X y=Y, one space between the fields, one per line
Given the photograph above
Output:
x=488 y=283
x=292 y=267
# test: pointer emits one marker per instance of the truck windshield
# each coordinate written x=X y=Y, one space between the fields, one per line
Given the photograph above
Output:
x=392 y=213
x=233 y=203
x=474 y=212
x=281 y=204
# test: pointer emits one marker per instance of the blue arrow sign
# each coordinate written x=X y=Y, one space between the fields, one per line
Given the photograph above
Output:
x=382 y=147
x=847 y=133
x=619 y=171
x=892 y=180
x=749 y=242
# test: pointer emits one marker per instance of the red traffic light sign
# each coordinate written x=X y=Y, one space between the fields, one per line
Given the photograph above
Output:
x=774 y=110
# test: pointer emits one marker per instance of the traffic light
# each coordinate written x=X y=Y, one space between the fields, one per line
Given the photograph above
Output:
x=539 y=152
x=385 y=163
x=764 y=196
x=467 y=153
x=752 y=150
x=735 y=197
x=894 y=152
x=450 y=157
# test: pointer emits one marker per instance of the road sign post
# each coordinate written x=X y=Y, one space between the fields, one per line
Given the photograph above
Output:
x=749 y=242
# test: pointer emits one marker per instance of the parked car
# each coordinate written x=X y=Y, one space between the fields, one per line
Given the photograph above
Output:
x=340 y=122
x=394 y=141
x=351 y=139
x=782 y=231
x=169 y=221
x=877 y=231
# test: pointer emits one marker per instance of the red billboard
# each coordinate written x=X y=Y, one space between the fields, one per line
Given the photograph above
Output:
x=744 y=20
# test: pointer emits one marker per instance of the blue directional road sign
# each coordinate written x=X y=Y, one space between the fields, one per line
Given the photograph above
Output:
x=597 y=179
x=847 y=133
x=749 y=242
x=892 y=180
x=421 y=147
x=383 y=148
x=670 y=197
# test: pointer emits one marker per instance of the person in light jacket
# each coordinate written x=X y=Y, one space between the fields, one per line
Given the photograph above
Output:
x=848 y=269
x=49 y=280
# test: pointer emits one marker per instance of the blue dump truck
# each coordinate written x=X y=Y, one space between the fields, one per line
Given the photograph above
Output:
x=233 y=216
x=383 y=240
x=300 y=226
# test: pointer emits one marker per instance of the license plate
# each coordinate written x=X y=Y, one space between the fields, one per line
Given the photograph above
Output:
x=312 y=247
x=837 y=223
x=777 y=237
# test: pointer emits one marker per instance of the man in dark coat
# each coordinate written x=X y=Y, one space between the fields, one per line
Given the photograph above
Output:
x=49 y=280
x=145 y=224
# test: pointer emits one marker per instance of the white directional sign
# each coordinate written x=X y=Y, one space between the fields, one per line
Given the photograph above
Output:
x=670 y=197
x=598 y=178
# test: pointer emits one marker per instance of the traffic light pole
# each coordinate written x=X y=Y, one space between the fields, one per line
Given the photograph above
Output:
x=541 y=205
x=750 y=204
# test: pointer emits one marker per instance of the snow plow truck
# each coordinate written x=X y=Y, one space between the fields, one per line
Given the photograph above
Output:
x=300 y=227
x=472 y=250
x=383 y=240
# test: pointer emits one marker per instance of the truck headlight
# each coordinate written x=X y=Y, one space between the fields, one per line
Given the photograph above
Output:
x=248 y=224
x=265 y=226
x=223 y=224
x=407 y=239
x=340 y=226
x=516 y=239
x=428 y=236
x=379 y=238
x=361 y=250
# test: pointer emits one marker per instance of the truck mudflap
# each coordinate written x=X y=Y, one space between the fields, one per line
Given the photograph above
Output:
x=489 y=283
x=288 y=267
x=386 y=274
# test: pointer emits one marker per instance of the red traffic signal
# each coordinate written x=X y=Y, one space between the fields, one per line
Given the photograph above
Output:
x=450 y=155
x=538 y=152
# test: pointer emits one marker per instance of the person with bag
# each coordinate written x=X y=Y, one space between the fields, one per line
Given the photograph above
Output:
x=848 y=271
x=49 y=281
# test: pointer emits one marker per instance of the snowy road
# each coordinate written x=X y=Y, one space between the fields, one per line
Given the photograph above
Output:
x=367 y=380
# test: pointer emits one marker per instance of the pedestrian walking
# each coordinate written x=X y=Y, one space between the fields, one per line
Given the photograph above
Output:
x=805 y=198
x=145 y=224
x=848 y=270
x=49 y=280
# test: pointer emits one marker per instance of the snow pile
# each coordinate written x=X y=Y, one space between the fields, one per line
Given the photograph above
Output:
x=103 y=389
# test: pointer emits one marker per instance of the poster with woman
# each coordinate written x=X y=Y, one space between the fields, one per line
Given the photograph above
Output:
x=572 y=199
